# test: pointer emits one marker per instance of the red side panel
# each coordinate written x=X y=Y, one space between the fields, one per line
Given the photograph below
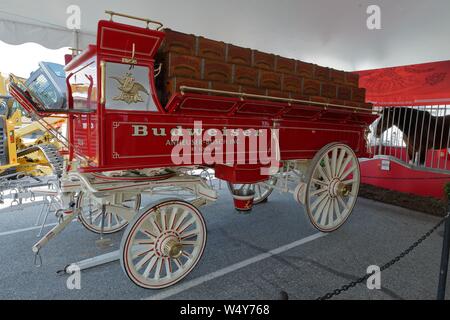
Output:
x=403 y=179
x=436 y=159
x=149 y=145
x=85 y=135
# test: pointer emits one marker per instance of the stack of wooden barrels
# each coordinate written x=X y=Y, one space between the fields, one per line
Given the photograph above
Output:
x=189 y=60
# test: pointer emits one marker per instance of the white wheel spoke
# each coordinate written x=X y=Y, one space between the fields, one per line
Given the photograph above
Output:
x=144 y=260
x=322 y=183
x=186 y=225
x=178 y=263
x=98 y=215
x=109 y=218
x=149 y=233
x=116 y=219
x=349 y=181
x=331 y=212
x=318 y=201
x=155 y=225
x=320 y=210
x=190 y=234
x=172 y=217
x=150 y=266
x=140 y=250
x=350 y=170
x=344 y=165
x=336 y=209
x=163 y=220
x=144 y=242
x=326 y=160
x=342 y=202
x=323 y=174
x=333 y=162
x=339 y=161
x=167 y=267
x=318 y=191
x=159 y=265
x=180 y=220
x=326 y=212
x=187 y=255
x=189 y=243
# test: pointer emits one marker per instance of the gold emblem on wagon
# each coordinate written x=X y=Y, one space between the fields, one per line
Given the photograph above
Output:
x=129 y=89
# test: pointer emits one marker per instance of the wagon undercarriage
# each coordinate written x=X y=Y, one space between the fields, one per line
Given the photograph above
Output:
x=163 y=241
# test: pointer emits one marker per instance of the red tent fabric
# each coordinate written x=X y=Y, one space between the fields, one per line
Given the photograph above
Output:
x=419 y=84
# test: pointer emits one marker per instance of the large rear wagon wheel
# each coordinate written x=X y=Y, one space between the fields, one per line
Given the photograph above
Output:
x=163 y=244
x=262 y=190
x=91 y=213
x=332 y=186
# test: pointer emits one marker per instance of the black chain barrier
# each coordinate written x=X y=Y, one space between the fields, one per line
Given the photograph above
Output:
x=353 y=284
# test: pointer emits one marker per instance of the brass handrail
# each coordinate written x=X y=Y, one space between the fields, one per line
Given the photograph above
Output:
x=147 y=21
x=243 y=95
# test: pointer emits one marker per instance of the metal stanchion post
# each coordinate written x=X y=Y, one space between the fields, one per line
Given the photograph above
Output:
x=444 y=259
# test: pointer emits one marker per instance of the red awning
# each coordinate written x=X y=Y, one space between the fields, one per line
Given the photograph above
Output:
x=419 y=84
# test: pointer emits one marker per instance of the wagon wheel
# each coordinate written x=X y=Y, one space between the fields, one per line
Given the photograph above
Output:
x=91 y=213
x=262 y=190
x=163 y=244
x=332 y=186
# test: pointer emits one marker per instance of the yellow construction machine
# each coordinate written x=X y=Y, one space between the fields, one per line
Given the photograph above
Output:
x=26 y=147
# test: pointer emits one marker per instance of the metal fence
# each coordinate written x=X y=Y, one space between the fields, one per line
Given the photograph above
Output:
x=416 y=136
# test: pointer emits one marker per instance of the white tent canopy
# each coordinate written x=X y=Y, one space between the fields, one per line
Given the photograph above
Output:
x=14 y=32
x=331 y=33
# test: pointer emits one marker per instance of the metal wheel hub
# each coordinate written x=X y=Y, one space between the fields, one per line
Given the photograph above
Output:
x=169 y=244
x=338 y=188
x=173 y=248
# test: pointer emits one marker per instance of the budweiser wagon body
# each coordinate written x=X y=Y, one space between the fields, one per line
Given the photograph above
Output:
x=146 y=108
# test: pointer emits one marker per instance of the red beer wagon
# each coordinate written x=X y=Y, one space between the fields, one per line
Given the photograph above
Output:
x=124 y=142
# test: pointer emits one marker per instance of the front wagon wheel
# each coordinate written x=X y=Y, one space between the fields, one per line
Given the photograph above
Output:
x=163 y=244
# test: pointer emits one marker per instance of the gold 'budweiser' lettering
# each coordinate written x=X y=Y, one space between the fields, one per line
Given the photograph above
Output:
x=140 y=131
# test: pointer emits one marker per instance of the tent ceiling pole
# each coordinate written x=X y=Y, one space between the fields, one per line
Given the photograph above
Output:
x=76 y=44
